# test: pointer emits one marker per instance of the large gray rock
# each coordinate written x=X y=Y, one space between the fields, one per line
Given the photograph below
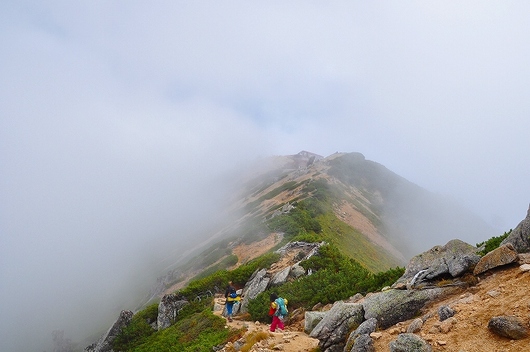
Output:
x=455 y=259
x=311 y=319
x=104 y=344
x=520 y=236
x=280 y=277
x=168 y=309
x=409 y=343
x=503 y=255
x=366 y=328
x=508 y=326
x=393 y=306
x=338 y=321
x=363 y=343
x=257 y=284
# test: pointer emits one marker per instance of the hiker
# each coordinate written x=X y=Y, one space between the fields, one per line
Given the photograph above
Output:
x=231 y=297
x=278 y=310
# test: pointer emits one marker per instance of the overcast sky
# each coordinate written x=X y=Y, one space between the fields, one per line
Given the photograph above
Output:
x=118 y=118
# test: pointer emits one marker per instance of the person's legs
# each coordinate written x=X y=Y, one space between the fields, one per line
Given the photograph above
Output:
x=280 y=324
x=229 y=306
x=276 y=323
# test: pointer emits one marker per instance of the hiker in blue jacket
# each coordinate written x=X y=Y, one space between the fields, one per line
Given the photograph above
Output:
x=231 y=297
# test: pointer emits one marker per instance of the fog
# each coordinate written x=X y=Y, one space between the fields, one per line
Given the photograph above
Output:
x=122 y=122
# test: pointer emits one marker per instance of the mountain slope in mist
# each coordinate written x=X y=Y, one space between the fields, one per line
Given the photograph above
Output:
x=375 y=216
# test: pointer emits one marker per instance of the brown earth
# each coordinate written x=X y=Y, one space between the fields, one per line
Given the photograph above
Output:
x=498 y=292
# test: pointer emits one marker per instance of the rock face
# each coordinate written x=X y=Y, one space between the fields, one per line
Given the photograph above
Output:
x=520 y=236
x=338 y=321
x=105 y=342
x=508 y=326
x=168 y=309
x=503 y=255
x=455 y=258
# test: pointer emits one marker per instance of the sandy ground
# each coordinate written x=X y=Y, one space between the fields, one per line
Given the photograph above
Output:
x=499 y=292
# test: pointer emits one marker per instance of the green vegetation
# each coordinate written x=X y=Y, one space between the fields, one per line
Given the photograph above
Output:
x=492 y=243
x=196 y=331
x=336 y=277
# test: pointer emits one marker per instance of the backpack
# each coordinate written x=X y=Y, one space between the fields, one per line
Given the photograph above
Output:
x=282 y=307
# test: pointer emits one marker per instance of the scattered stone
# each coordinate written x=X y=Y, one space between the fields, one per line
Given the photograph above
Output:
x=445 y=312
x=415 y=326
x=508 y=326
x=493 y=293
x=409 y=343
x=525 y=267
x=376 y=335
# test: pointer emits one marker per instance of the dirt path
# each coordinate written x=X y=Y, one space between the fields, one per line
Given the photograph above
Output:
x=289 y=340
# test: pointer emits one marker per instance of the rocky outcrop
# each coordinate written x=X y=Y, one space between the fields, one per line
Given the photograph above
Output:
x=333 y=329
x=393 y=306
x=520 y=236
x=105 y=342
x=261 y=279
x=168 y=309
x=503 y=255
x=455 y=259
x=508 y=326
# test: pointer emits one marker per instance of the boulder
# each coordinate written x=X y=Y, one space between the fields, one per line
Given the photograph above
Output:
x=520 y=236
x=366 y=328
x=280 y=277
x=332 y=330
x=445 y=312
x=455 y=259
x=297 y=271
x=415 y=326
x=168 y=309
x=363 y=343
x=503 y=255
x=409 y=343
x=312 y=319
x=104 y=344
x=257 y=284
x=508 y=326
x=393 y=306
